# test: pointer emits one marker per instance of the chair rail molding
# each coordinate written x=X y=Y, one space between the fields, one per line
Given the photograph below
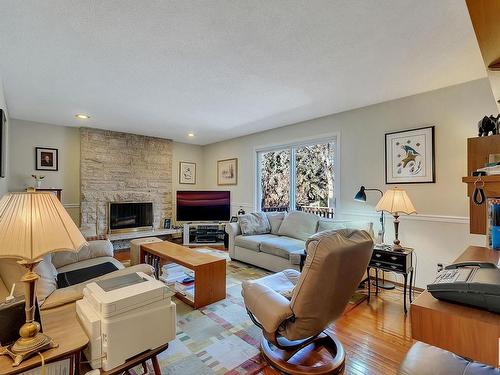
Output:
x=71 y=205
x=415 y=217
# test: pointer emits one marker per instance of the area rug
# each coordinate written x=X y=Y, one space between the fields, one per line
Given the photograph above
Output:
x=219 y=338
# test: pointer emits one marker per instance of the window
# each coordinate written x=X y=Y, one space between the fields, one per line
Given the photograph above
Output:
x=298 y=176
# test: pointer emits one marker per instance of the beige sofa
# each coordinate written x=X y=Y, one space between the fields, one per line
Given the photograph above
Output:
x=49 y=296
x=281 y=247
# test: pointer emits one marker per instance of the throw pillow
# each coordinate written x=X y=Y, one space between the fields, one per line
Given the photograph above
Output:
x=275 y=219
x=254 y=223
x=299 y=225
x=46 y=284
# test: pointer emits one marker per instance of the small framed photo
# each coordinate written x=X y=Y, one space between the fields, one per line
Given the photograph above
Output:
x=227 y=172
x=234 y=219
x=166 y=223
x=409 y=156
x=46 y=159
x=187 y=172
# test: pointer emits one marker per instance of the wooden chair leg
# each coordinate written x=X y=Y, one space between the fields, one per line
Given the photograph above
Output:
x=156 y=365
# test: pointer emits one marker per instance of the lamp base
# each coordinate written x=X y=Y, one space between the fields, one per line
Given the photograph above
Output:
x=397 y=248
x=24 y=348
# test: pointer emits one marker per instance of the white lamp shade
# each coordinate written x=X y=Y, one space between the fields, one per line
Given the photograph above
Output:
x=35 y=224
x=396 y=201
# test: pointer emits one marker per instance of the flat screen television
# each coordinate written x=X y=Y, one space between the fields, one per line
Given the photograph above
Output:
x=203 y=205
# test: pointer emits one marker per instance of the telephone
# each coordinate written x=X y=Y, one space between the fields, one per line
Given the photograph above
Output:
x=471 y=283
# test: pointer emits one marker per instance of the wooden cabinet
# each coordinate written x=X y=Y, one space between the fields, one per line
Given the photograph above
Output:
x=478 y=150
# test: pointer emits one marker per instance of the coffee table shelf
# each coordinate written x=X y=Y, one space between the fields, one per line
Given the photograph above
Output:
x=209 y=271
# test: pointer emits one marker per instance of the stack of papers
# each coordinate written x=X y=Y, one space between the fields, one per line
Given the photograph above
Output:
x=173 y=273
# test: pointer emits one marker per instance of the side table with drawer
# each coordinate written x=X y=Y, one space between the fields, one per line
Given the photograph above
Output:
x=385 y=259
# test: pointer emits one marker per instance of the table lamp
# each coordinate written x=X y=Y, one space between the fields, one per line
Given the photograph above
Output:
x=395 y=201
x=32 y=225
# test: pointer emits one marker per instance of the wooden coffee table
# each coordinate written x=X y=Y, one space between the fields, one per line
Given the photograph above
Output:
x=209 y=271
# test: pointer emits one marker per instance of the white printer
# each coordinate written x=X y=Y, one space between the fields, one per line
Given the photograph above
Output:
x=124 y=316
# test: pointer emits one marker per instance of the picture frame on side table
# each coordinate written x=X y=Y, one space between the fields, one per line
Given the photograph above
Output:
x=167 y=223
x=410 y=156
x=187 y=173
x=227 y=172
x=46 y=159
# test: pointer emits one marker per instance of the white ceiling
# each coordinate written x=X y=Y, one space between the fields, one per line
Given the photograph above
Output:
x=225 y=68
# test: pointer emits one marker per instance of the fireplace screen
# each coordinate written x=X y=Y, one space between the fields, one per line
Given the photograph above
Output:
x=130 y=216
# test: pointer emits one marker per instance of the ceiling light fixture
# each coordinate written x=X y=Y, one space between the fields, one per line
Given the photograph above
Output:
x=82 y=116
x=191 y=134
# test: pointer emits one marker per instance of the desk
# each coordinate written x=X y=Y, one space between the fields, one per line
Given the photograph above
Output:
x=62 y=325
x=463 y=330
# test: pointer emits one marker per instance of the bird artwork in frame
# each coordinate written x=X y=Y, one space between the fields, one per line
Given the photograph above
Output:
x=187 y=173
x=409 y=156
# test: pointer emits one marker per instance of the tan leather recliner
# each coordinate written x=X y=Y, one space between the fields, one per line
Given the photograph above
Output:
x=335 y=264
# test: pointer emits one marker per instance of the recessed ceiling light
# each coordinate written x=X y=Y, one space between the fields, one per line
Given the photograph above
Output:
x=191 y=134
x=82 y=116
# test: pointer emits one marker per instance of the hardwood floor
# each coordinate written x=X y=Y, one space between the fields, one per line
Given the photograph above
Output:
x=375 y=335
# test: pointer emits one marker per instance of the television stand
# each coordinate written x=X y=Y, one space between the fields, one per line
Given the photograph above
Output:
x=204 y=234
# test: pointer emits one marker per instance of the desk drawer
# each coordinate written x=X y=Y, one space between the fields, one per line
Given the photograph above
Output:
x=389 y=257
x=388 y=266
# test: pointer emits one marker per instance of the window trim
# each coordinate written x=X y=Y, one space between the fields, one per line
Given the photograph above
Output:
x=320 y=138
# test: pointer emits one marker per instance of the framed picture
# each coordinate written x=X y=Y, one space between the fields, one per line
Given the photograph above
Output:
x=234 y=219
x=227 y=172
x=46 y=159
x=187 y=172
x=409 y=156
x=166 y=223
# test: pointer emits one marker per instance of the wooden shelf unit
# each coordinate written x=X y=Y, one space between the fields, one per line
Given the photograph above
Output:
x=478 y=150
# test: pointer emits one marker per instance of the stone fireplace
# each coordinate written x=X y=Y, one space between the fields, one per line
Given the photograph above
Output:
x=122 y=167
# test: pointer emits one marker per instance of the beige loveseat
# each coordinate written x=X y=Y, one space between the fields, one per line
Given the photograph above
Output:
x=49 y=296
x=280 y=248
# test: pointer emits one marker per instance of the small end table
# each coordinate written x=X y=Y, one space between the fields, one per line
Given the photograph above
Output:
x=62 y=325
x=385 y=259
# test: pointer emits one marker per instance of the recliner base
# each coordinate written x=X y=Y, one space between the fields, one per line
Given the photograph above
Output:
x=308 y=358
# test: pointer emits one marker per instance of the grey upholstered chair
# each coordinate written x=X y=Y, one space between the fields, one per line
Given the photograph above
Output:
x=335 y=264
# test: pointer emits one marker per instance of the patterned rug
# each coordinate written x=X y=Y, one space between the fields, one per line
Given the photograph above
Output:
x=219 y=338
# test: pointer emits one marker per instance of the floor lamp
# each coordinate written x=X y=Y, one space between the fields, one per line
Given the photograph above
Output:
x=361 y=197
x=32 y=225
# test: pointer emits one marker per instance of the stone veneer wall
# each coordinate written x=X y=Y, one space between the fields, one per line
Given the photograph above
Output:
x=123 y=167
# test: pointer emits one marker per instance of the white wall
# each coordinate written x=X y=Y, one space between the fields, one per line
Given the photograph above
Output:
x=24 y=137
x=190 y=153
x=441 y=231
x=3 y=105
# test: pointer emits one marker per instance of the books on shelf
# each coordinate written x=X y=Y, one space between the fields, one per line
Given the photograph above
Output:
x=175 y=273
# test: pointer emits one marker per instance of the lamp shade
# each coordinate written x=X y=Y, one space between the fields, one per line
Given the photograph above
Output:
x=396 y=201
x=35 y=224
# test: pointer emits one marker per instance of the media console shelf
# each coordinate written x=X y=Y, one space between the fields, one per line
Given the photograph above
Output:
x=204 y=233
